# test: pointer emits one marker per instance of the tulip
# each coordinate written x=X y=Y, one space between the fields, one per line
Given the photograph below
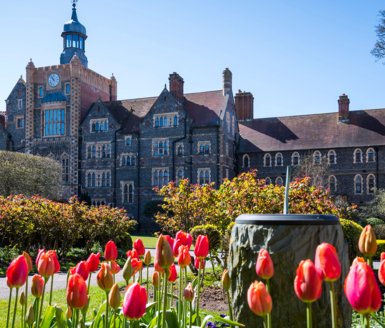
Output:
x=133 y=254
x=48 y=263
x=134 y=304
x=41 y=251
x=30 y=316
x=29 y=261
x=37 y=285
x=170 y=241
x=155 y=279
x=93 y=262
x=128 y=270
x=226 y=280
x=361 y=288
x=82 y=269
x=184 y=258
x=259 y=299
x=308 y=282
x=200 y=264
x=77 y=297
x=17 y=272
x=382 y=256
x=147 y=258
x=381 y=271
x=139 y=247
x=181 y=238
x=163 y=254
x=188 y=293
x=22 y=298
x=115 y=268
x=104 y=277
x=173 y=275
x=114 y=297
x=110 y=251
x=264 y=266
x=201 y=246
x=327 y=262
x=367 y=243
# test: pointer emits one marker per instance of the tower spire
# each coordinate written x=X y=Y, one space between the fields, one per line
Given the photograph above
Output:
x=74 y=16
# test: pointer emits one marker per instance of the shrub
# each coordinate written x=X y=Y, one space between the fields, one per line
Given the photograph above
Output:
x=380 y=249
x=379 y=230
x=374 y=221
x=352 y=232
x=212 y=233
x=225 y=245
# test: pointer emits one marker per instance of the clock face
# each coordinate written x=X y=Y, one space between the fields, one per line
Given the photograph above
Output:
x=53 y=79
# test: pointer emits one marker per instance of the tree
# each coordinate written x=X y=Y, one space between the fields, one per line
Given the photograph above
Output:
x=29 y=175
x=379 y=48
x=376 y=207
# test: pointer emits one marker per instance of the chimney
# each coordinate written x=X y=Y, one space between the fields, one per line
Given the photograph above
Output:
x=113 y=88
x=244 y=105
x=343 y=108
x=176 y=85
x=2 y=120
x=227 y=82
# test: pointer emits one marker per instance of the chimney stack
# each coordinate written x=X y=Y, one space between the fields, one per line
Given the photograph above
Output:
x=2 y=120
x=244 y=105
x=343 y=108
x=176 y=85
x=227 y=82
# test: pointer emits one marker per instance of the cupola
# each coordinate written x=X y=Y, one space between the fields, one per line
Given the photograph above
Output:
x=74 y=36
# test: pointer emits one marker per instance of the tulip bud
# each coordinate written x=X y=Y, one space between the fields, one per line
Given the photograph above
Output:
x=128 y=270
x=367 y=243
x=37 y=285
x=155 y=279
x=134 y=303
x=327 y=262
x=188 y=293
x=110 y=251
x=104 y=277
x=29 y=261
x=259 y=299
x=114 y=297
x=308 y=282
x=93 y=262
x=226 y=280
x=201 y=246
x=163 y=254
x=173 y=275
x=147 y=258
x=22 y=298
x=264 y=266
x=139 y=247
x=17 y=272
x=30 y=316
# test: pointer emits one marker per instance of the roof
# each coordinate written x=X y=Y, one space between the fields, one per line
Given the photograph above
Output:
x=365 y=128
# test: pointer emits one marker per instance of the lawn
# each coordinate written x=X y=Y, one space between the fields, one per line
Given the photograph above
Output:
x=148 y=241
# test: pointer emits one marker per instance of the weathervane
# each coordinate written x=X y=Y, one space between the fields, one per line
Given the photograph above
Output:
x=74 y=2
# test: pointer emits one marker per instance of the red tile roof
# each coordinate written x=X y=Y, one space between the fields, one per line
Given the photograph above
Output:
x=365 y=128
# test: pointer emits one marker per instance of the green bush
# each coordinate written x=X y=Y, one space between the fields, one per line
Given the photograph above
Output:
x=379 y=230
x=352 y=232
x=380 y=249
x=374 y=221
x=212 y=233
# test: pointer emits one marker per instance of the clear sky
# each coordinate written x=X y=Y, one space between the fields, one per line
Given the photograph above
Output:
x=296 y=57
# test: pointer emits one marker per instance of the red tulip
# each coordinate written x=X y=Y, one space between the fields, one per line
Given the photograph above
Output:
x=259 y=299
x=37 y=285
x=139 y=247
x=327 y=262
x=264 y=266
x=115 y=268
x=137 y=265
x=134 y=304
x=163 y=254
x=41 y=251
x=201 y=246
x=181 y=238
x=381 y=272
x=93 y=262
x=29 y=261
x=110 y=251
x=48 y=263
x=17 y=272
x=82 y=269
x=104 y=277
x=170 y=240
x=133 y=254
x=184 y=258
x=361 y=288
x=77 y=297
x=382 y=256
x=308 y=282
x=200 y=263
x=172 y=273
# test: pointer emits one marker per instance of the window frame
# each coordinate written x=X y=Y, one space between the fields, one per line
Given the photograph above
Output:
x=265 y=157
x=361 y=184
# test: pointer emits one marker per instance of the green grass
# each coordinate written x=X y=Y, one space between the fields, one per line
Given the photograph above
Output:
x=148 y=241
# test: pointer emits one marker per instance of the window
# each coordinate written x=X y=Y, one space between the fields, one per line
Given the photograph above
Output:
x=160 y=147
x=318 y=181
x=371 y=184
x=267 y=181
x=279 y=181
x=127 y=160
x=127 y=192
x=40 y=91
x=204 y=176
x=19 y=103
x=267 y=160
x=295 y=159
x=332 y=157
x=370 y=155
x=278 y=159
x=317 y=157
x=332 y=183
x=98 y=202
x=19 y=122
x=165 y=120
x=54 y=122
x=160 y=177
x=179 y=174
x=99 y=150
x=179 y=149
x=65 y=167
x=246 y=161
x=204 y=147
x=358 y=184
x=99 y=125
x=128 y=140
x=357 y=156
x=67 y=88
x=98 y=178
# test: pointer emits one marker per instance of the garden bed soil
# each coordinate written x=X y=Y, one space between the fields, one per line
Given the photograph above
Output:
x=214 y=299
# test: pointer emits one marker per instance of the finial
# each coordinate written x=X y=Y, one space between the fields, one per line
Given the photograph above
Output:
x=74 y=16
x=74 y=2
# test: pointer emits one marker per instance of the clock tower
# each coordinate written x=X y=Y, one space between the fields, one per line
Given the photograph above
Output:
x=57 y=99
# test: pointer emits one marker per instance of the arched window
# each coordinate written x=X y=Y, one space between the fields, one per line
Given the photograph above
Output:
x=125 y=193
x=179 y=175
x=88 y=183
x=357 y=156
x=358 y=184
x=295 y=159
x=371 y=184
x=267 y=160
x=332 y=157
x=278 y=159
x=103 y=179
x=279 y=181
x=89 y=151
x=131 y=193
x=267 y=181
x=93 y=179
x=317 y=157
x=332 y=183
x=93 y=152
x=318 y=181
x=370 y=155
x=246 y=161
x=108 y=179
x=179 y=150
x=65 y=167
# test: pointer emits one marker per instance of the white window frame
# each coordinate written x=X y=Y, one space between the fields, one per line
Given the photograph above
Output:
x=367 y=155
x=169 y=117
x=295 y=155
x=357 y=151
x=160 y=174
x=204 y=144
x=317 y=157
x=100 y=121
x=332 y=177
x=179 y=145
x=165 y=148
x=278 y=155
x=330 y=153
x=265 y=157
x=248 y=161
x=20 y=103
x=371 y=191
x=267 y=181
x=279 y=181
x=128 y=198
x=205 y=172
x=361 y=181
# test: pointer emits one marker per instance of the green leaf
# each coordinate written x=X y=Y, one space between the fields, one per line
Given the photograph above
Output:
x=49 y=316
x=220 y=319
x=172 y=319
x=61 y=321
x=99 y=316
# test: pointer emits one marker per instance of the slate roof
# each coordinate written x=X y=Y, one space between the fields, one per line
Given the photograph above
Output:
x=365 y=128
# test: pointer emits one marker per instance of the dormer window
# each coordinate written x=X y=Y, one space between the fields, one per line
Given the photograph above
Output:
x=204 y=147
x=99 y=125
x=167 y=120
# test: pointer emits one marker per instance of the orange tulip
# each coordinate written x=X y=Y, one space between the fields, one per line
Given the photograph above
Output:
x=163 y=254
x=367 y=244
x=361 y=288
x=137 y=265
x=201 y=246
x=155 y=279
x=259 y=299
x=181 y=238
x=188 y=293
x=115 y=268
x=93 y=262
x=184 y=258
x=110 y=251
x=77 y=297
x=226 y=280
x=104 y=277
x=29 y=261
x=133 y=254
x=114 y=297
x=147 y=258
x=82 y=269
x=308 y=282
x=134 y=303
x=264 y=266
x=48 y=263
x=327 y=262
x=173 y=275
x=139 y=247
x=37 y=285
x=17 y=272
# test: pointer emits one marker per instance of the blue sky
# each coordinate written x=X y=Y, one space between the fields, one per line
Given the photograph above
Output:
x=296 y=57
